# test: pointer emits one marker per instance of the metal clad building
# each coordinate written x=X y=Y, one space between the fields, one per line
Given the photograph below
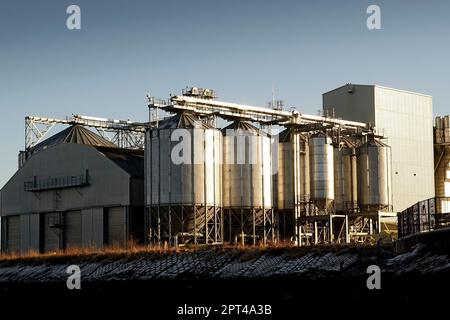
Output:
x=406 y=119
x=64 y=195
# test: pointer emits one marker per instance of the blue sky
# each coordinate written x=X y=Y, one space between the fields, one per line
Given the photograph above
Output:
x=239 y=48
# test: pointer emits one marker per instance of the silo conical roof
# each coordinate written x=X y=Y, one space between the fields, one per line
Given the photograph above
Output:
x=244 y=126
x=183 y=121
x=376 y=143
x=288 y=134
x=74 y=134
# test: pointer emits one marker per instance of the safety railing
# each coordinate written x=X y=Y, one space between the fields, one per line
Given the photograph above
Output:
x=50 y=183
x=427 y=215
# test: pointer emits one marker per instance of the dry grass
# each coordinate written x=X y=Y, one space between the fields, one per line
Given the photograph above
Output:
x=133 y=251
x=88 y=253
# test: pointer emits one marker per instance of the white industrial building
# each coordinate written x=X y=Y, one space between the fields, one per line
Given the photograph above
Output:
x=406 y=120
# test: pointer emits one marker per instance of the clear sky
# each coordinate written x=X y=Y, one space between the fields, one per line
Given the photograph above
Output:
x=239 y=48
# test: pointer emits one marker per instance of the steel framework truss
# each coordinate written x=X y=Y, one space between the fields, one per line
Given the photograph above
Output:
x=323 y=229
x=182 y=225
x=233 y=111
x=250 y=225
x=123 y=133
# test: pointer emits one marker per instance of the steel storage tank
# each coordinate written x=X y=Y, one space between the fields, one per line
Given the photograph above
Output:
x=321 y=172
x=375 y=177
x=439 y=123
x=292 y=180
x=247 y=183
x=439 y=130
x=447 y=128
x=442 y=157
x=183 y=181
x=346 y=176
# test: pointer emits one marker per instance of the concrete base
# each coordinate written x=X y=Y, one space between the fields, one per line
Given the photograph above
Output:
x=436 y=240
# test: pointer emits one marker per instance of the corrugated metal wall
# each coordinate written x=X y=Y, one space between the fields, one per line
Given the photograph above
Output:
x=92 y=227
x=2 y=234
x=13 y=234
x=72 y=229
x=109 y=184
x=407 y=120
x=30 y=232
x=51 y=231
x=116 y=226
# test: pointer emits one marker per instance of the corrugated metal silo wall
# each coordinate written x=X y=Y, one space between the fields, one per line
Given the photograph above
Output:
x=168 y=183
x=187 y=191
x=375 y=187
x=322 y=169
x=442 y=163
x=345 y=179
x=247 y=185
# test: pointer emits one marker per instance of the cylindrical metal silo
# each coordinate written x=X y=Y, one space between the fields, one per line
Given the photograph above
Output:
x=439 y=136
x=183 y=181
x=292 y=180
x=438 y=123
x=247 y=183
x=447 y=128
x=321 y=172
x=446 y=121
x=346 y=176
x=375 y=177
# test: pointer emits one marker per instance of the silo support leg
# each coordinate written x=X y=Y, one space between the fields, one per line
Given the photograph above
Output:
x=347 y=236
x=254 y=227
x=331 y=235
x=316 y=233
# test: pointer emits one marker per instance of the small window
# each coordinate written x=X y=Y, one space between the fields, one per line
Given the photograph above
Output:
x=445 y=206
x=447 y=189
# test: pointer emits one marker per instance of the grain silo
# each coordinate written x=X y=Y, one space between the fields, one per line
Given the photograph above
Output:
x=183 y=181
x=346 y=175
x=247 y=184
x=291 y=191
x=375 y=186
x=322 y=173
x=442 y=163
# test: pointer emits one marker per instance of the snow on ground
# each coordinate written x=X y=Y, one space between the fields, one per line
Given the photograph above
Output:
x=226 y=264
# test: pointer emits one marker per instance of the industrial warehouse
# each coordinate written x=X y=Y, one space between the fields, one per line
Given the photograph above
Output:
x=371 y=163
